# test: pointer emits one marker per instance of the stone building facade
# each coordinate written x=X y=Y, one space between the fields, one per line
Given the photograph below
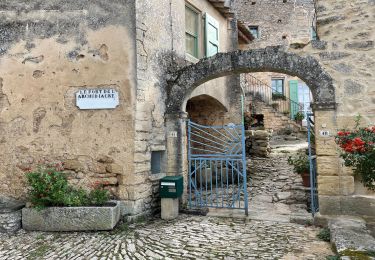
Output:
x=338 y=70
x=50 y=50
x=278 y=23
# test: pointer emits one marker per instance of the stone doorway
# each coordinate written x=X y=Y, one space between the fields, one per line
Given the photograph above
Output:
x=271 y=59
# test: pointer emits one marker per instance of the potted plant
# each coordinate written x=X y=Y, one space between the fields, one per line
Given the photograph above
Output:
x=301 y=166
x=358 y=151
x=278 y=96
x=298 y=117
x=275 y=106
x=54 y=205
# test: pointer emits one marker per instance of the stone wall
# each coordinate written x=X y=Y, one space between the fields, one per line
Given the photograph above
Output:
x=206 y=110
x=346 y=50
x=258 y=143
x=161 y=50
x=50 y=50
x=279 y=22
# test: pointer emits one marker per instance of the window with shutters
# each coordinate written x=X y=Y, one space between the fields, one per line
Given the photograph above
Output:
x=192 y=31
x=201 y=34
x=212 y=36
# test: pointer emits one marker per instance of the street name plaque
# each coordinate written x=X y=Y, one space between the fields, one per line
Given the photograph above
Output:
x=97 y=99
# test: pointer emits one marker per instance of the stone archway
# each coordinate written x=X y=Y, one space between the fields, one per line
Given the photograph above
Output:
x=271 y=59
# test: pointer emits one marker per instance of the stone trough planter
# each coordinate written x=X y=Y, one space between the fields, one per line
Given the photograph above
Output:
x=72 y=218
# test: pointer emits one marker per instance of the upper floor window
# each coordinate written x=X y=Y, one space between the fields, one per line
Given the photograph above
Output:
x=192 y=31
x=254 y=31
x=212 y=36
x=201 y=33
x=277 y=86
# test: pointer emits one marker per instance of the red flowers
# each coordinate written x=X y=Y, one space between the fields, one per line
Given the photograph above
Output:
x=341 y=133
x=358 y=141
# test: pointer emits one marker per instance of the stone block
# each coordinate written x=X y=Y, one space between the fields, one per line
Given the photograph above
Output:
x=71 y=218
x=106 y=180
x=132 y=207
x=105 y=159
x=98 y=168
x=142 y=157
x=328 y=165
x=326 y=146
x=329 y=205
x=114 y=168
x=336 y=185
x=358 y=205
x=169 y=208
x=73 y=165
x=140 y=191
x=350 y=236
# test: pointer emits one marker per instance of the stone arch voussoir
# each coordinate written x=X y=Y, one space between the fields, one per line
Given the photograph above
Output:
x=271 y=59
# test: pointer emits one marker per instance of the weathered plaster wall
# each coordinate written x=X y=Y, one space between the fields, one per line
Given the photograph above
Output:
x=50 y=50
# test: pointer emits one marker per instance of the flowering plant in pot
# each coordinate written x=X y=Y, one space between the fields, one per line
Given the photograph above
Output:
x=298 y=117
x=301 y=166
x=358 y=151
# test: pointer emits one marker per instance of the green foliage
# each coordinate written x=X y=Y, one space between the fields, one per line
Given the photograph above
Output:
x=98 y=196
x=324 y=235
x=278 y=96
x=358 y=151
x=48 y=187
x=299 y=116
x=76 y=198
x=300 y=162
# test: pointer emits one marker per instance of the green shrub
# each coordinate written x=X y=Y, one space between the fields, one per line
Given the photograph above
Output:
x=48 y=187
x=324 y=235
x=99 y=196
x=300 y=162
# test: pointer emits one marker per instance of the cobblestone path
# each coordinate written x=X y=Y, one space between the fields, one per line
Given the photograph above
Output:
x=188 y=237
x=276 y=194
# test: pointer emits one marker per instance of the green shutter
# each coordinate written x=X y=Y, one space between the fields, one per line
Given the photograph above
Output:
x=212 y=36
x=293 y=95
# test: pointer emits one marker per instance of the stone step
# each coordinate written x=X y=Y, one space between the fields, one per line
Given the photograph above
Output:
x=350 y=236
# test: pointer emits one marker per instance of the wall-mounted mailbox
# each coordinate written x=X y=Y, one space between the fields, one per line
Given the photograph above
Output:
x=171 y=187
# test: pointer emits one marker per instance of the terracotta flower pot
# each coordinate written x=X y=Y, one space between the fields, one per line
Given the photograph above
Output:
x=305 y=179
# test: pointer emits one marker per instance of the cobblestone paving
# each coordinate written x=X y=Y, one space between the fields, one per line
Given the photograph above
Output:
x=188 y=237
x=194 y=237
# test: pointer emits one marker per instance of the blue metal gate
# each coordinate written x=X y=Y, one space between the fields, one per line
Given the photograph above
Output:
x=313 y=169
x=217 y=166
